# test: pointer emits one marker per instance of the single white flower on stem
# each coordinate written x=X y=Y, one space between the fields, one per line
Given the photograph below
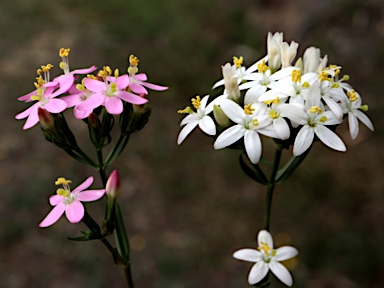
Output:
x=250 y=121
x=200 y=117
x=353 y=107
x=267 y=258
x=313 y=118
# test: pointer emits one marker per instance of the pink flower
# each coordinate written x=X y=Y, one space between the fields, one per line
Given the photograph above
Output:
x=76 y=97
x=69 y=202
x=45 y=100
x=109 y=94
x=136 y=83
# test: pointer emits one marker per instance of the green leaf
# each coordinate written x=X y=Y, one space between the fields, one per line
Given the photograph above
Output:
x=252 y=170
x=285 y=172
x=122 y=242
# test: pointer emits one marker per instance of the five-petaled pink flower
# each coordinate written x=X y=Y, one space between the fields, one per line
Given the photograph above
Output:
x=69 y=202
x=109 y=94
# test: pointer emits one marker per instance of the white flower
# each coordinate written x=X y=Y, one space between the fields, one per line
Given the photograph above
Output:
x=200 y=117
x=288 y=53
x=353 y=107
x=231 y=82
x=267 y=258
x=250 y=121
x=313 y=118
x=273 y=47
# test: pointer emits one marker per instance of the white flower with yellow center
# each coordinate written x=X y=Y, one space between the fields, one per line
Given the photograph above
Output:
x=354 y=108
x=279 y=123
x=267 y=258
x=250 y=121
x=313 y=118
x=200 y=117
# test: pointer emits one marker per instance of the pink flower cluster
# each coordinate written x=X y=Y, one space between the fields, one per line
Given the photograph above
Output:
x=94 y=91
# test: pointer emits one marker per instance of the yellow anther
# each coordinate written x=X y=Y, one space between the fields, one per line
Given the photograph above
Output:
x=335 y=67
x=80 y=87
x=35 y=98
x=196 y=102
x=39 y=82
x=335 y=85
x=262 y=67
x=132 y=70
x=187 y=110
x=46 y=68
x=248 y=109
x=273 y=114
x=107 y=71
x=39 y=71
x=238 y=61
x=113 y=87
x=352 y=95
x=323 y=119
x=62 y=181
x=364 y=108
x=62 y=192
x=324 y=76
x=90 y=76
x=273 y=101
x=306 y=85
x=116 y=73
x=39 y=96
x=64 y=52
x=255 y=122
x=345 y=78
x=296 y=76
x=264 y=247
x=315 y=109
x=133 y=60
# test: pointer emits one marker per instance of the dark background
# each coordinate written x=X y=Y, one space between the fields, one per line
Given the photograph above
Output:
x=188 y=208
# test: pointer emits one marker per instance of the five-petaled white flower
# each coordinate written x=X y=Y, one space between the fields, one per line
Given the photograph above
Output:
x=200 y=117
x=266 y=259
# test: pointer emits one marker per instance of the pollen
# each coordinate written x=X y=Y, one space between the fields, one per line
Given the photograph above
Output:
x=324 y=76
x=335 y=67
x=352 y=95
x=364 y=108
x=262 y=67
x=255 y=122
x=64 y=52
x=238 y=61
x=196 y=102
x=107 y=71
x=90 y=76
x=116 y=73
x=39 y=82
x=323 y=119
x=296 y=76
x=62 y=181
x=306 y=85
x=62 y=192
x=133 y=60
x=187 y=110
x=80 y=87
x=335 y=85
x=273 y=101
x=248 y=109
x=315 y=109
x=264 y=247
x=273 y=114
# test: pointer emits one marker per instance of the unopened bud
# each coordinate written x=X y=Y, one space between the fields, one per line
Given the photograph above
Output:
x=113 y=185
x=220 y=117
x=94 y=121
x=46 y=119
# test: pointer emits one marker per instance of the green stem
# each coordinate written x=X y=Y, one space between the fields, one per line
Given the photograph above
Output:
x=85 y=157
x=118 y=148
x=102 y=167
x=128 y=275
x=271 y=186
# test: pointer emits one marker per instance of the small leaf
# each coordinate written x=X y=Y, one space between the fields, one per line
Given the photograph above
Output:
x=285 y=172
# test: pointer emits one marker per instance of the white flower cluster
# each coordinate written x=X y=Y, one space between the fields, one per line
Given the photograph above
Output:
x=273 y=97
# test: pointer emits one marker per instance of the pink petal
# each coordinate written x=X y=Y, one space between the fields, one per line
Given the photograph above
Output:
x=114 y=105
x=92 y=102
x=85 y=70
x=55 y=199
x=154 y=86
x=33 y=118
x=74 y=211
x=65 y=81
x=81 y=114
x=53 y=216
x=90 y=195
x=132 y=98
x=94 y=85
x=73 y=99
x=141 y=77
x=122 y=82
x=27 y=112
x=27 y=97
x=83 y=185
x=138 y=89
x=55 y=106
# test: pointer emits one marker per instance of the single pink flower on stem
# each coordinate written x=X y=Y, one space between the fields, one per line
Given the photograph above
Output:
x=69 y=202
x=110 y=94
x=137 y=81
x=45 y=101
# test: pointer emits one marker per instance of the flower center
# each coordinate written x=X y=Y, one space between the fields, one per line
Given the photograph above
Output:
x=111 y=90
x=268 y=251
x=66 y=190
x=324 y=76
x=315 y=109
x=273 y=114
x=262 y=67
x=352 y=95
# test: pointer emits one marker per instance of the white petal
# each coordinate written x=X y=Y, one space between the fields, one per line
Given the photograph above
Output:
x=253 y=94
x=314 y=96
x=252 y=145
x=329 y=138
x=281 y=273
x=363 y=118
x=247 y=254
x=229 y=136
x=258 y=272
x=293 y=113
x=218 y=83
x=335 y=108
x=353 y=125
x=282 y=73
x=272 y=95
x=233 y=111
x=285 y=252
x=282 y=128
x=203 y=102
x=186 y=130
x=265 y=237
x=207 y=125
x=188 y=118
x=303 y=140
x=269 y=131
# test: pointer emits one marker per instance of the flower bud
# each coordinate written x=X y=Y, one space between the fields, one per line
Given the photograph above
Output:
x=311 y=59
x=113 y=185
x=273 y=47
x=94 y=121
x=46 y=119
x=220 y=117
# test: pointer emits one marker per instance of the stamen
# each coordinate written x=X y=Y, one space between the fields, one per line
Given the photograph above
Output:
x=248 y=109
x=80 y=87
x=296 y=76
x=324 y=76
x=187 y=110
x=62 y=192
x=238 y=61
x=64 y=52
x=196 y=102
x=62 y=181
x=133 y=60
x=364 y=108
x=315 y=109
x=116 y=73
x=323 y=119
x=273 y=101
x=306 y=85
x=264 y=247
x=255 y=122
x=335 y=85
x=273 y=114
x=262 y=67
x=352 y=95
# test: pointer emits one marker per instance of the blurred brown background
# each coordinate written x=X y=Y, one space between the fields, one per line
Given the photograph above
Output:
x=188 y=208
